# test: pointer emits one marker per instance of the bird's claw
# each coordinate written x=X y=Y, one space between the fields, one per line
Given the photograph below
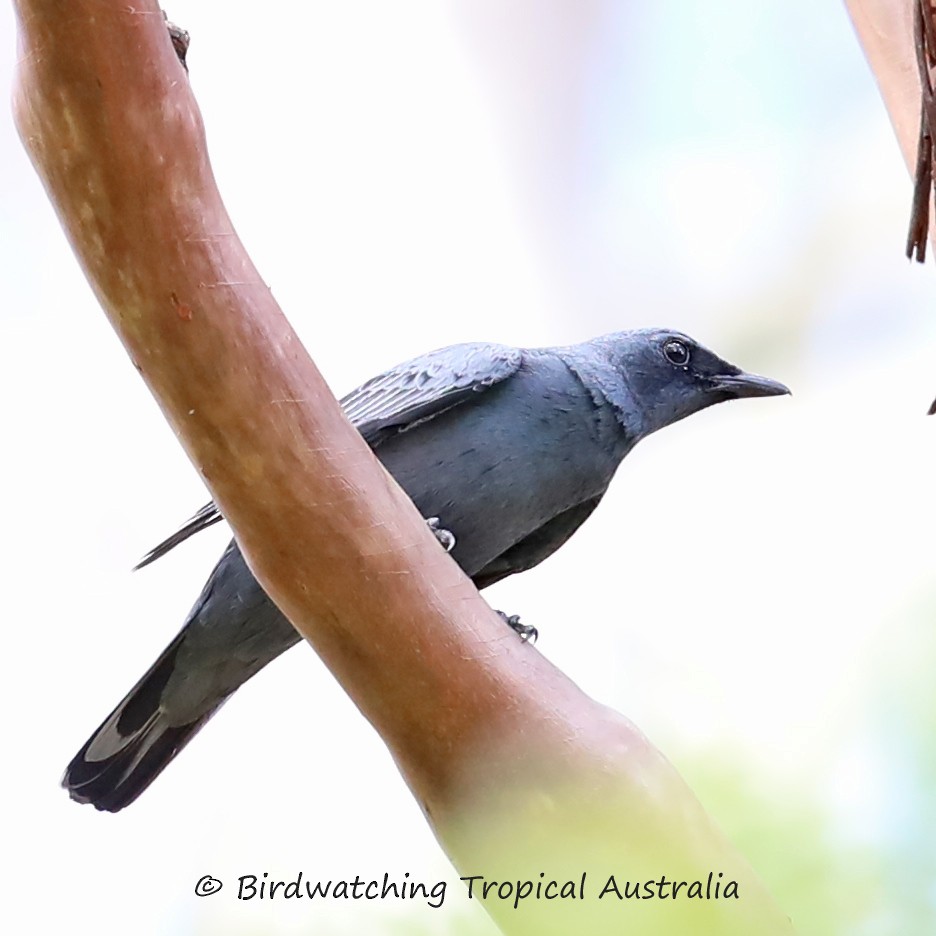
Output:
x=446 y=538
x=526 y=632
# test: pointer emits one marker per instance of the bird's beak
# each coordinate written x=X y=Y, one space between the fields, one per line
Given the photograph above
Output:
x=749 y=385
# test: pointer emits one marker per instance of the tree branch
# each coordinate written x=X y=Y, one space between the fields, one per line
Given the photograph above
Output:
x=517 y=770
x=886 y=30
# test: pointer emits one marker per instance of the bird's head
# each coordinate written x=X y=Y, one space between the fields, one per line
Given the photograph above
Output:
x=668 y=376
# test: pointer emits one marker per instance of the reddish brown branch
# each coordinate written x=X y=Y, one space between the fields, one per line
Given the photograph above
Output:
x=887 y=30
x=899 y=40
x=498 y=746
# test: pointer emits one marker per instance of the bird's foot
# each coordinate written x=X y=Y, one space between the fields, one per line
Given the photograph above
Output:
x=525 y=631
x=446 y=538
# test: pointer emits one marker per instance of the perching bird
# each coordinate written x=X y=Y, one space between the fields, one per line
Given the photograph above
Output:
x=510 y=448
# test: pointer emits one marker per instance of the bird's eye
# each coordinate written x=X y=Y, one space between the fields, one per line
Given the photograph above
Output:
x=676 y=352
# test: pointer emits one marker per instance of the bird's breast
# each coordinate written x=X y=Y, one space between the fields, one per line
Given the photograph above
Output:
x=497 y=469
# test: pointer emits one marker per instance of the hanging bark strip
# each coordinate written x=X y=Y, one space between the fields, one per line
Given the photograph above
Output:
x=924 y=30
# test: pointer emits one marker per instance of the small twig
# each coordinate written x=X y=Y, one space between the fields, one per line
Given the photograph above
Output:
x=924 y=36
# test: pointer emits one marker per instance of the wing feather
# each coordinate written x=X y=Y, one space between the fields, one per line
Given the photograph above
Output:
x=393 y=401
x=427 y=386
x=206 y=517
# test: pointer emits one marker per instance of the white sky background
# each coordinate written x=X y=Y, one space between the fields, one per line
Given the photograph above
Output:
x=416 y=174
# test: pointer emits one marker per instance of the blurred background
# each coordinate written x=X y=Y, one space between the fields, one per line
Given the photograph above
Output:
x=758 y=589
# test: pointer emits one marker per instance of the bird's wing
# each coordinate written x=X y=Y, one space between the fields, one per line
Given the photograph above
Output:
x=427 y=386
x=206 y=517
x=394 y=401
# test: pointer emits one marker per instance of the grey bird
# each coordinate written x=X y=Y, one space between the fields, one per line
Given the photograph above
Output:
x=510 y=448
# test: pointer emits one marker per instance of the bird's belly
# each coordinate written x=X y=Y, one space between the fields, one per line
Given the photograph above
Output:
x=489 y=487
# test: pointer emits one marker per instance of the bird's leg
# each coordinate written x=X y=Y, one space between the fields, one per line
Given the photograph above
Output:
x=446 y=538
x=525 y=631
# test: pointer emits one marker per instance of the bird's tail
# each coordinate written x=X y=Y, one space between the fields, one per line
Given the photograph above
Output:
x=133 y=746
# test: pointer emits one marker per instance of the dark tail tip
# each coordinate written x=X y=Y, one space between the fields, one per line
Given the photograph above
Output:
x=114 y=782
x=133 y=746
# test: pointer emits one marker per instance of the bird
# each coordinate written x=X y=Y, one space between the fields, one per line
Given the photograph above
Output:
x=506 y=451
